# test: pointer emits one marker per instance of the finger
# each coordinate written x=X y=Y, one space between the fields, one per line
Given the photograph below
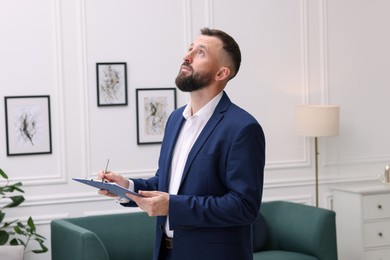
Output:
x=110 y=176
x=100 y=174
x=103 y=192
x=146 y=193
x=106 y=193
x=133 y=197
x=114 y=177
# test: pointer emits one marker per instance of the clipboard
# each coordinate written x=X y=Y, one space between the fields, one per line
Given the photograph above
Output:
x=110 y=186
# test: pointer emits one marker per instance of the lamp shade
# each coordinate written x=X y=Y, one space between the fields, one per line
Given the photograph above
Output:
x=317 y=120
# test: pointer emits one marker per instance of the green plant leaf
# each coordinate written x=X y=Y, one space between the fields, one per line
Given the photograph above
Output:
x=40 y=237
x=14 y=242
x=4 y=236
x=3 y=174
x=16 y=186
x=18 y=230
x=13 y=187
x=18 y=189
x=7 y=224
x=20 y=225
x=16 y=201
x=2 y=215
x=43 y=249
x=31 y=224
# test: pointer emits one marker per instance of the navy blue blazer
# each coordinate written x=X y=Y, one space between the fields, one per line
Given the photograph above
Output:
x=221 y=189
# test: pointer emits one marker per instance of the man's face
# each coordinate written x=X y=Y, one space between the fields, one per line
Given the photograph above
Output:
x=200 y=64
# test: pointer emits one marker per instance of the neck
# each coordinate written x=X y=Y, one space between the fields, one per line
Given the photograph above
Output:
x=200 y=98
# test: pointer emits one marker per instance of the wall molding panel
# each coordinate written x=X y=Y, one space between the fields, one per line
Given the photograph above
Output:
x=60 y=90
x=57 y=110
x=84 y=83
x=323 y=19
x=187 y=14
x=359 y=160
x=209 y=11
x=84 y=197
x=304 y=52
x=305 y=162
x=40 y=220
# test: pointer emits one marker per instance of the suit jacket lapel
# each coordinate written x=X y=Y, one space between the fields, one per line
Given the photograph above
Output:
x=175 y=130
x=207 y=130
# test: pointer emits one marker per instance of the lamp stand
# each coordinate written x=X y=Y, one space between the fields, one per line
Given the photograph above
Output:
x=316 y=167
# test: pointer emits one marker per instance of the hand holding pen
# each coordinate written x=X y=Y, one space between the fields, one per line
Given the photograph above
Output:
x=109 y=176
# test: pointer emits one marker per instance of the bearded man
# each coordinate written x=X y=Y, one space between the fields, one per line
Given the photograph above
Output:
x=208 y=188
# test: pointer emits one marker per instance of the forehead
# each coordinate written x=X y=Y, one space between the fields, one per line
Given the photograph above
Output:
x=208 y=42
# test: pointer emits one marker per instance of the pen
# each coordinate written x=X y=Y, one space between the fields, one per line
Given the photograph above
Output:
x=105 y=170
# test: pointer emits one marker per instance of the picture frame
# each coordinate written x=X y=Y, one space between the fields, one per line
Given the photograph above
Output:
x=28 y=125
x=154 y=105
x=111 y=81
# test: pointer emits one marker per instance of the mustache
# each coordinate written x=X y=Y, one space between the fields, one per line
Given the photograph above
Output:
x=188 y=65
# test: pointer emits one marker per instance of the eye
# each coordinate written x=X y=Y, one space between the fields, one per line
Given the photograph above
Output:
x=201 y=52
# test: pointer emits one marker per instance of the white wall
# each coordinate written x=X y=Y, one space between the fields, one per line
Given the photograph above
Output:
x=294 y=52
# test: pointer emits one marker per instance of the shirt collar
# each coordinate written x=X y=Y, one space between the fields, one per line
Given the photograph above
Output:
x=206 y=111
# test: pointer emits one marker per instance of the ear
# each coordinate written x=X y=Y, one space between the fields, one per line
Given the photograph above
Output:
x=222 y=74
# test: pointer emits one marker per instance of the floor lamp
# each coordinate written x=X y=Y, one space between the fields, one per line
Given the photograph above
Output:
x=317 y=121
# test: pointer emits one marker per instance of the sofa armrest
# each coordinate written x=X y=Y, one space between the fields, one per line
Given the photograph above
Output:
x=300 y=228
x=70 y=241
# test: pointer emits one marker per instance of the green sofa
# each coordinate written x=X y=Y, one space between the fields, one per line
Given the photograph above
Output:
x=284 y=231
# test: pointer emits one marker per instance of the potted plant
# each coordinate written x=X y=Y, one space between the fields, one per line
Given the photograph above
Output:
x=15 y=232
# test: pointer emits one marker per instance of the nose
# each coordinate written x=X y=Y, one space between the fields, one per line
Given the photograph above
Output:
x=188 y=57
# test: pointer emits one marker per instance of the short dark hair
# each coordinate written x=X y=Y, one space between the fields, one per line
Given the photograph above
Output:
x=229 y=45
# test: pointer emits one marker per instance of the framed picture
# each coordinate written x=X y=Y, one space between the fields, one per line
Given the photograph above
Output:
x=111 y=84
x=154 y=105
x=27 y=125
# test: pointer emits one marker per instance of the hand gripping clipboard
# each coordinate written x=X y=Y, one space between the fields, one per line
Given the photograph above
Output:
x=110 y=186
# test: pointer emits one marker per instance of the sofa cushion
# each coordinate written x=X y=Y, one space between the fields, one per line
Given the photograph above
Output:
x=279 y=255
x=259 y=233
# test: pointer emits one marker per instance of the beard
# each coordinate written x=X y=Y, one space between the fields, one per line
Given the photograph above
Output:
x=193 y=82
